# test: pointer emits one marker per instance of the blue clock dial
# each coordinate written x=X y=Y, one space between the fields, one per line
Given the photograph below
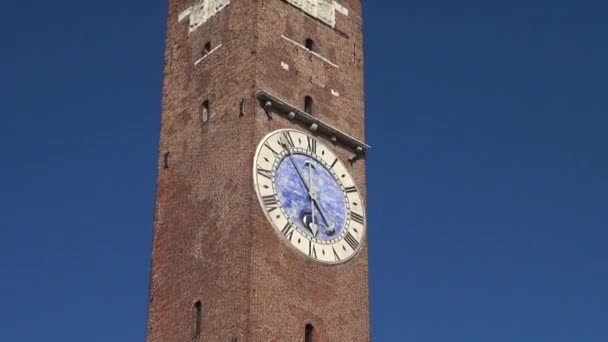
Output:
x=310 y=196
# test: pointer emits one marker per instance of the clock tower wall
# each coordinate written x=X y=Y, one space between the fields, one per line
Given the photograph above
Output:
x=331 y=72
x=202 y=237
x=212 y=241
x=290 y=290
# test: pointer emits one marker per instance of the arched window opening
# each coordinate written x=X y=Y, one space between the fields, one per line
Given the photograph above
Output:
x=308 y=104
x=198 y=316
x=309 y=332
x=309 y=44
x=206 y=48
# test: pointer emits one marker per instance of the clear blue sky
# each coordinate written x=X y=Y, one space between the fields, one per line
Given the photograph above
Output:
x=488 y=177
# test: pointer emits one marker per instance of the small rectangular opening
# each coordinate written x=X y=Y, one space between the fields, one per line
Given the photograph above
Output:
x=308 y=104
x=309 y=331
x=309 y=44
x=198 y=316
x=205 y=111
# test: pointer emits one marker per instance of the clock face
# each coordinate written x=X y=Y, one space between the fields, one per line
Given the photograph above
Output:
x=309 y=196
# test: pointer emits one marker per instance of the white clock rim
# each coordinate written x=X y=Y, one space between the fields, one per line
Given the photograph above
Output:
x=276 y=229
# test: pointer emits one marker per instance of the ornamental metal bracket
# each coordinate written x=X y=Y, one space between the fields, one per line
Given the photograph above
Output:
x=272 y=104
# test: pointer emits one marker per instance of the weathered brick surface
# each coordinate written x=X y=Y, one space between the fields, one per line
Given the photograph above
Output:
x=212 y=241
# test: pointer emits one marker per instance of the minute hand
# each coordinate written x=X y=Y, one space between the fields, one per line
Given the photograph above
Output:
x=286 y=147
x=330 y=227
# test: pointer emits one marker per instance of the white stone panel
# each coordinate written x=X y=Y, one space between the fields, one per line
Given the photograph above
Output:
x=220 y=4
x=339 y=8
x=324 y=10
x=201 y=11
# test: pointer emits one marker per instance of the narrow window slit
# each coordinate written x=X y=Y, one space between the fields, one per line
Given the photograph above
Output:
x=166 y=161
x=198 y=315
x=309 y=331
x=206 y=48
x=205 y=111
x=308 y=104
x=242 y=108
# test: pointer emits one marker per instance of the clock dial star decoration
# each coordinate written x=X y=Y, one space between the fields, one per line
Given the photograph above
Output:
x=309 y=196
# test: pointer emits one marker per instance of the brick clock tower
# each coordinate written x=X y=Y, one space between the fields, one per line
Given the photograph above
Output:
x=260 y=221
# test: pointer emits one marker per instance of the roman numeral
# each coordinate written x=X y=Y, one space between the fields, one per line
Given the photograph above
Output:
x=334 y=163
x=288 y=230
x=312 y=145
x=271 y=150
x=286 y=140
x=351 y=241
x=311 y=249
x=265 y=173
x=356 y=217
x=336 y=256
x=350 y=189
x=271 y=202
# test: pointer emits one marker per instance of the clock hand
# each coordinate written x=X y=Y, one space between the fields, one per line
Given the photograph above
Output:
x=330 y=227
x=286 y=147
x=315 y=200
x=312 y=196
